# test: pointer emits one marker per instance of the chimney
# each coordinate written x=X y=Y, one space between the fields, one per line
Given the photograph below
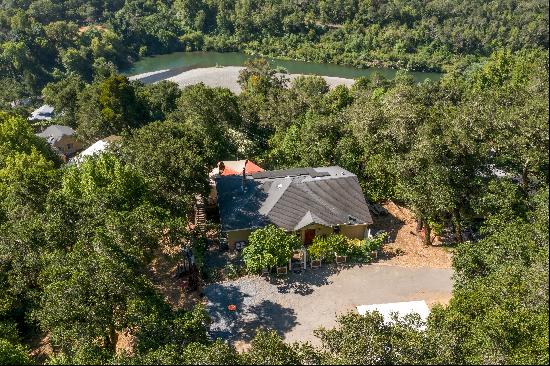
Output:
x=244 y=177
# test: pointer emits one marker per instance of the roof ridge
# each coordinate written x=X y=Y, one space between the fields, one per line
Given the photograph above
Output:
x=275 y=185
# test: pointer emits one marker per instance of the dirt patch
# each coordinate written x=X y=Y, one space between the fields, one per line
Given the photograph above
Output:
x=41 y=348
x=125 y=342
x=432 y=298
x=242 y=346
x=86 y=28
x=162 y=272
x=405 y=247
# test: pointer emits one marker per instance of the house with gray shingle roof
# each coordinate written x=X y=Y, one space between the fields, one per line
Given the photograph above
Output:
x=62 y=139
x=307 y=201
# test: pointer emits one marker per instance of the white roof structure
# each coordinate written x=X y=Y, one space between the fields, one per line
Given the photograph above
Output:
x=97 y=148
x=43 y=113
x=401 y=308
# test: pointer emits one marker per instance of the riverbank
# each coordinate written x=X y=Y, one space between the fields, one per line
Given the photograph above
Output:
x=226 y=77
x=203 y=59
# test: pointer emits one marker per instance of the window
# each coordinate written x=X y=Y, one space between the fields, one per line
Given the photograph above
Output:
x=240 y=244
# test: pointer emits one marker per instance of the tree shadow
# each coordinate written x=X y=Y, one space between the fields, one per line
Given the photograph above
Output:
x=389 y=223
x=304 y=281
x=241 y=324
x=219 y=298
x=267 y=315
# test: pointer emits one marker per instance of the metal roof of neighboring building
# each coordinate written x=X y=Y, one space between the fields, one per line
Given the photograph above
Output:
x=236 y=167
x=401 y=309
x=291 y=199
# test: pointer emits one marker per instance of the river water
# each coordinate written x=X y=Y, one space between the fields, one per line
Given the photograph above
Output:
x=192 y=60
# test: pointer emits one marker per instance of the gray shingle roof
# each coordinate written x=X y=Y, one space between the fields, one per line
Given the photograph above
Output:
x=55 y=132
x=328 y=196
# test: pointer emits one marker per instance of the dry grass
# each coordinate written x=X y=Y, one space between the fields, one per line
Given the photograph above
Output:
x=405 y=247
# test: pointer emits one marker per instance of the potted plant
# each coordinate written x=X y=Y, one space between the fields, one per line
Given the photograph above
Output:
x=375 y=243
x=315 y=263
x=341 y=246
x=340 y=258
x=282 y=270
x=317 y=251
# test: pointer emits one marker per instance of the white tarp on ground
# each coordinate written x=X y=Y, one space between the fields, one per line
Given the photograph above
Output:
x=401 y=308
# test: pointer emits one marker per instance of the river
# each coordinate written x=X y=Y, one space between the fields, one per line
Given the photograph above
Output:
x=183 y=61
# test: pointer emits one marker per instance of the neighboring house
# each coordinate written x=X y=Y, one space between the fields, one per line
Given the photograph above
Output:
x=224 y=168
x=23 y=102
x=62 y=139
x=44 y=113
x=309 y=202
x=95 y=149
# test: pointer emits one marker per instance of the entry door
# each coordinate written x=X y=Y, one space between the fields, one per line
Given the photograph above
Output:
x=309 y=235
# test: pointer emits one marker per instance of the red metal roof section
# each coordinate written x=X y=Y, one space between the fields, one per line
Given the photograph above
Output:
x=249 y=168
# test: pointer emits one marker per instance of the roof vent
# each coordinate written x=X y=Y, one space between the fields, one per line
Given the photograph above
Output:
x=279 y=186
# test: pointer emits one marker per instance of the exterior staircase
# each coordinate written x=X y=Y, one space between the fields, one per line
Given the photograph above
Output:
x=200 y=213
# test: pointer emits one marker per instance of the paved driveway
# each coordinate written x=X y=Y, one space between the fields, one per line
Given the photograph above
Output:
x=296 y=305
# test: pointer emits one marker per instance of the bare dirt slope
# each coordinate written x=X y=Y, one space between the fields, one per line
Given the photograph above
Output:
x=405 y=247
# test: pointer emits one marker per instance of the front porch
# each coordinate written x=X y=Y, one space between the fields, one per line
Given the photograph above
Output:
x=238 y=239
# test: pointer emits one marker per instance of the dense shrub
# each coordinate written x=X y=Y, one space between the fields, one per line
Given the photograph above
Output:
x=324 y=247
x=269 y=247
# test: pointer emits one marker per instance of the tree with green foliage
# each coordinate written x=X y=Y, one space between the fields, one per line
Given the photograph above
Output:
x=267 y=347
x=63 y=96
x=16 y=136
x=369 y=340
x=269 y=247
x=259 y=78
x=14 y=354
x=174 y=159
x=27 y=173
x=109 y=107
x=160 y=98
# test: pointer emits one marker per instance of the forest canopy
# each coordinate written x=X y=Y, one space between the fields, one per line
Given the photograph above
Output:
x=467 y=154
x=41 y=39
x=436 y=147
